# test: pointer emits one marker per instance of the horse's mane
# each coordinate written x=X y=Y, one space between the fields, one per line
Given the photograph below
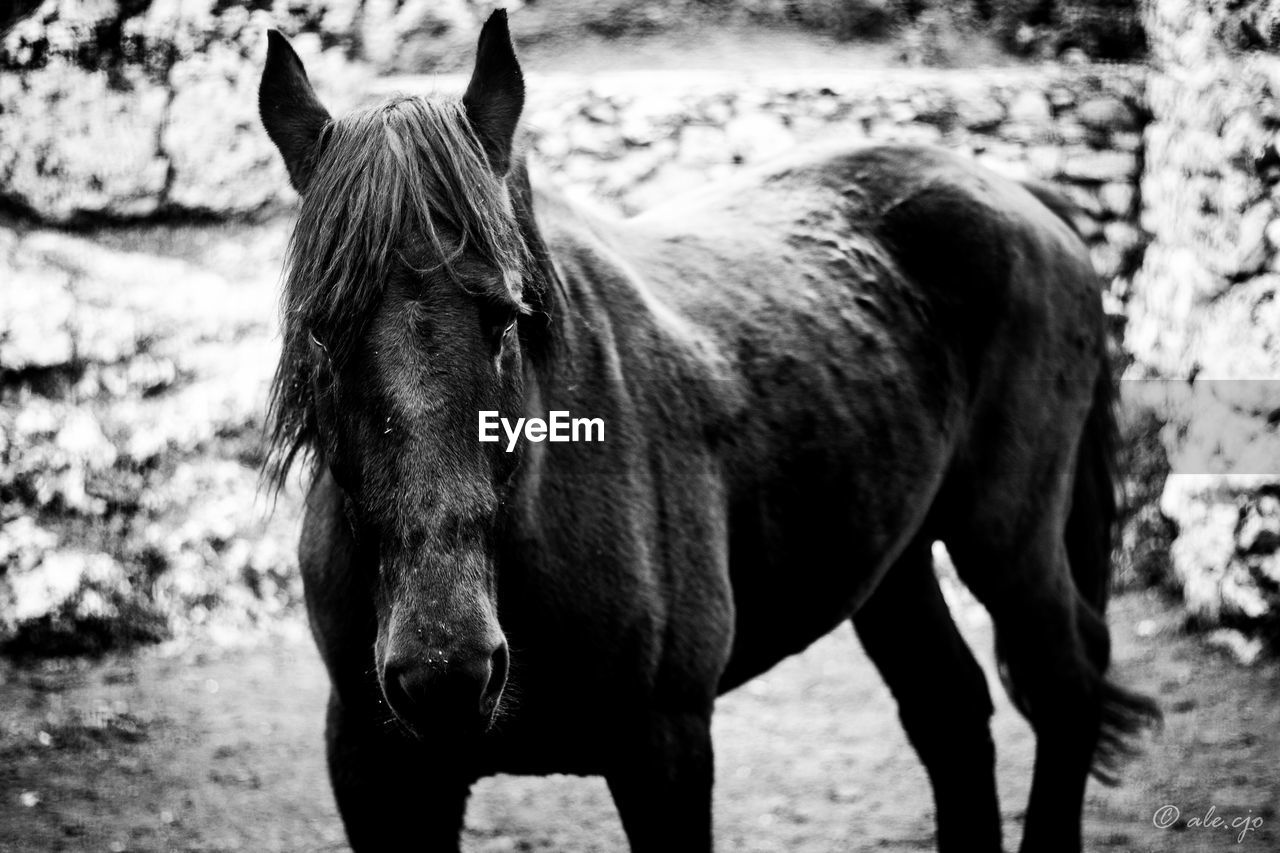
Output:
x=402 y=169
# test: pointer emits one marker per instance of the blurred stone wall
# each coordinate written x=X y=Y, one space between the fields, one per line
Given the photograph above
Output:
x=133 y=375
x=1204 y=328
x=128 y=108
x=132 y=108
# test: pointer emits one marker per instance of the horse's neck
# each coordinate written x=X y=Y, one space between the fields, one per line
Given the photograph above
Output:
x=581 y=277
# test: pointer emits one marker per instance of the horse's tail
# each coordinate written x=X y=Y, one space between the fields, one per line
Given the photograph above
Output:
x=1090 y=539
x=1095 y=504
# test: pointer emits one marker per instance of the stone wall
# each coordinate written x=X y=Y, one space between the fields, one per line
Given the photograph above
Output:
x=119 y=110
x=133 y=374
x=1204 y=316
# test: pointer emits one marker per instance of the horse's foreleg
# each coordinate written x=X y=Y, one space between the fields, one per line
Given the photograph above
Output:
x=392 y=795
x=942 y=697
x=661 y=783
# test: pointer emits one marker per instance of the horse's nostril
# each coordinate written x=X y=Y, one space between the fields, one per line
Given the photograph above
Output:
x=418 y=691
x=404 y=685
x=498 y=664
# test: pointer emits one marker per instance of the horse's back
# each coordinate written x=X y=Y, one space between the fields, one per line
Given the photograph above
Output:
x=944 y=259
x=948 y=221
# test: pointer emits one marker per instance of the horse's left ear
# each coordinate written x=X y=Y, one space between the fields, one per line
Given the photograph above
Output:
x=495 y=95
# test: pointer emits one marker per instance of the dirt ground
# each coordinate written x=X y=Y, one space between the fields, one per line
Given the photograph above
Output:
x=218 y=750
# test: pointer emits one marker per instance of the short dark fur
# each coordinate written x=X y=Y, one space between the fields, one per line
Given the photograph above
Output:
x=808 y=375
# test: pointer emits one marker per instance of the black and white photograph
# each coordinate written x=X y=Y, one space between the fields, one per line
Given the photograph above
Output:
x=665 y=426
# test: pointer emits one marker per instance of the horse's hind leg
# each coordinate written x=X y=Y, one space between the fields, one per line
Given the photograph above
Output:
x=907 y=630
x=1051 y=643
x=1035 y=608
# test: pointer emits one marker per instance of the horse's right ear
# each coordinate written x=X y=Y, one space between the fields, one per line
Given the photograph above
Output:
x=290 y=110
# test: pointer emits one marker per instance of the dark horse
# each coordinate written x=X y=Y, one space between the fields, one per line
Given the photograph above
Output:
x=806 y=375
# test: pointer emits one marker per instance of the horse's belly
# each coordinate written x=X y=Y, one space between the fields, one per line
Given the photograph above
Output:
x=774 y=619
x=804 y=557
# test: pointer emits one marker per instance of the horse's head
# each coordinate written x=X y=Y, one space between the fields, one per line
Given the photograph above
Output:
x=405 y=281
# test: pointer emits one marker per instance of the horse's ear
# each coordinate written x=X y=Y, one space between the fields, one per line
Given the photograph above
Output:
x=495 y=95
x=290 y=110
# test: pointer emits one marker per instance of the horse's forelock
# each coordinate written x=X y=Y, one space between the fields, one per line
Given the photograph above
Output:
x=404 y=169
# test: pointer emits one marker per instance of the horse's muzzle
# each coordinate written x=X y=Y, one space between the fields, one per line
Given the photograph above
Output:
x=430 y=690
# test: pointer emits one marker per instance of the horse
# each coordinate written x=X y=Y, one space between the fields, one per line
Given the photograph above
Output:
x=806 y=375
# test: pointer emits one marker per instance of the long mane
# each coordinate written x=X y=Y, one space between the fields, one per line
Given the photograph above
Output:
x=402 y=170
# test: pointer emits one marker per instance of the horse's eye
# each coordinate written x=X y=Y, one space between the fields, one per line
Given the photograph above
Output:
x=498 y=321
x=317 y=348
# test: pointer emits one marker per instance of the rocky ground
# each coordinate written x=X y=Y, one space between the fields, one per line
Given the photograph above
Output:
x=195 y=749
